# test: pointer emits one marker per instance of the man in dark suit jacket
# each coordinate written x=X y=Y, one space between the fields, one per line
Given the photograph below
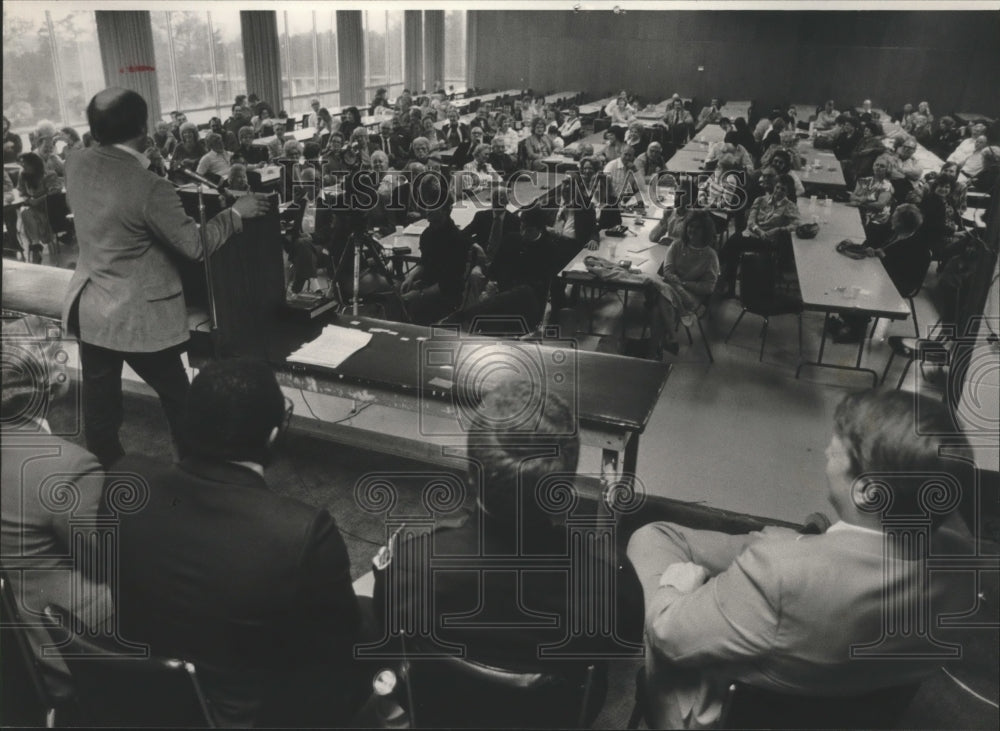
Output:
x=490 y=229
x=125 y=300
x=454 y=133
x=391 y=142
x=253 y=588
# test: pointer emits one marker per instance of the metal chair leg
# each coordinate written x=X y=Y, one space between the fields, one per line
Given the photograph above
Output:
x=799 y=316
x=906 y=370
x=871 y=333
x=913 y=312
x=733 y=328
x=763 y=341
x=701 y=330
x=888 y=365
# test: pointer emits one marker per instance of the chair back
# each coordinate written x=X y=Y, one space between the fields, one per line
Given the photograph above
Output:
x=757 y=282
x=747 y=707
x=463 y=693
x=57 y=210
x=116 y=690
x=22 y=666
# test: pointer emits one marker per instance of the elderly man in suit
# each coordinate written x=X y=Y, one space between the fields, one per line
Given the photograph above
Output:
x=794 y=613
x=125 y=300
x=252 y=587
x=51 y=493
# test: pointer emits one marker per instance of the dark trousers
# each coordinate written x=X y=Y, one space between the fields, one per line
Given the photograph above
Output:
x=102 y=393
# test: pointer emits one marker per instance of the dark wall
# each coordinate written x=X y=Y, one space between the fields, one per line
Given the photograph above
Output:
x=951 y=59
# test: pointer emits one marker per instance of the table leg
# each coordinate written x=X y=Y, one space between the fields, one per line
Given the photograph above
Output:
x=818 y=363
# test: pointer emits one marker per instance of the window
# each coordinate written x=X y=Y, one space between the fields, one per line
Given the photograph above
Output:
x=51 y=65
x=199 y=61
x=454 y=51
x=383 y=51
x=308 y=59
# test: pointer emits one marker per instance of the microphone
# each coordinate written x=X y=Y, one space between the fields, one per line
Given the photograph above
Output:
x=201 y=179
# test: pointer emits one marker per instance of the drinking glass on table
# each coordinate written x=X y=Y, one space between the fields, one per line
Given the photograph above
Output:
x=612 y=249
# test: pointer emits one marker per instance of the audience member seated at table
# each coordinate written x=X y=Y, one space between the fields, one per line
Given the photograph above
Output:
x=720 y=191
x=41 y=473
x=34 y=184
x=789 y=142
x=190 y=150
x=571 y=126
x=679 y=123
x=165 y=142
x=215 y=163
x=826 y=118
x=904 y=170
x=264 y=114
x=622 y=177
x=389 y=141
x=635 y=138
x=434 y=287
x=44 y=147
x=968 y=145
x=781 y=161
x=942 y=219
x=537 y=146
x=414 y=124
x=869 y=147
x=771 y=222
x=72 y=139
x=483 y=174
x=621 y=114
x=651 y=162
x=237 y=182
x=12 y=144
x=522 y=270
x=785 y=612
x=584 y=198
x=670 y=226
x=499 y=159
x=276 y=142
x=986 y=179
x=239 y=118
x=709 y=114
x=325 y=123
x=490 y=229
x=945 y=138
x=976 y=161
x=420 y=154
x=772 y=136
x=454 y=132
x=614 y=139
x=873 y=197
x=358 y=145
x=508 y=134
x=687 y=276
x=464 y=152
x=252 y=587
x=732 y=149
x=842 y=139
x=744 y=137
x=156 y=162
x=351 y=120
x=253 y=155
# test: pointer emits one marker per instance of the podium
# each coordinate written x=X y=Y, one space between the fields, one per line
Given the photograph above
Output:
x=248 y=289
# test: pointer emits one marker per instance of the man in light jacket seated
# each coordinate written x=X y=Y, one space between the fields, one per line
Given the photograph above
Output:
x=809 y=614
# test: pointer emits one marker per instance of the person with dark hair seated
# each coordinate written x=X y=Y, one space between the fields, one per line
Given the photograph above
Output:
x=806 y=614
x=536 y=146
x=252 y=587
x=873 y=196
x=434 y=287
x=945 y=138
x=942 y=220
x=253 y=155
x=679 y=123
x=688 y=275
x=513 y=461
x=906 y=255
x=863 y=156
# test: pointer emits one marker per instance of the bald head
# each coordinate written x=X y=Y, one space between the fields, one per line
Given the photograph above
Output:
x=116 y=116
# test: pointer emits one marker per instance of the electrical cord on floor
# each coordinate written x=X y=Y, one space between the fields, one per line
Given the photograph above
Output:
x=355 y=410
x=969 y=690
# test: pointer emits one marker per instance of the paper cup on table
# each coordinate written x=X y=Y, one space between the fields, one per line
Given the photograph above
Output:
x=612 y=249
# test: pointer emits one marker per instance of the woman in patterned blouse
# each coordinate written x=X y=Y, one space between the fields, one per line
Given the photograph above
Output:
x=873 y=196
x=537 y=146
x=772 y=219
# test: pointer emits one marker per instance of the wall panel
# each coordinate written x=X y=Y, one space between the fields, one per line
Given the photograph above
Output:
x=952 y=59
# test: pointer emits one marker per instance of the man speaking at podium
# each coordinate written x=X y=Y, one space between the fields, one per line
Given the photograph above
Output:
x=125 y=301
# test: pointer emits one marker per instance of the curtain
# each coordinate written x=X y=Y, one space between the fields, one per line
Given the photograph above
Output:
x=262 y=55
x=351 y=57
x=471 y=35
x=126 y=42
x=413 y=44
x=433 y=49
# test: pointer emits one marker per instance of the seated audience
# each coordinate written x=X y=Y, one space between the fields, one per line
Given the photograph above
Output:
x=508 y=134
x=621 y=176
x=869 y=147
x=44 y=147
x=252 y=587
x=771 y=221
x=190 y=150
x=968 y=145
x=614 y=138
x=420 y=150
x=651 y=162
x=537 y=146
x=679 y=123
x=390 y=142
x=709 y=115
x=571 y=126
x=435 y=286
x=72 y=139
x=215 y=163
x=635 y=138
x=873 y=197
x=156 y=162
x=351 y=121
x=785 y=612
x=34 y=184
x=731 y=148
x=904 y=170
x=276 y=143
x=165 y=142
x=483 y=173
x=976 y=161
x=688 y=276
x=454 y=132
x=942 y=219
x=945 y=138
x=12 y=144
x=48 y=555
x=826 y=118
x=502 y=162
x=253 y=155
x=621 y=113
x=669 y=228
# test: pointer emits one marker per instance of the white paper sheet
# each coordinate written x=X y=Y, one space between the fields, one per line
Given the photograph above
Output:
x=333 y=346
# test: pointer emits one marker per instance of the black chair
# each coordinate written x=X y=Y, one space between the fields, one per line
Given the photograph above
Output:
x=461 y=693
x=747 y=707
x=127 y=691
x=759 y=296
x=22 y=667
x=60 y=220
